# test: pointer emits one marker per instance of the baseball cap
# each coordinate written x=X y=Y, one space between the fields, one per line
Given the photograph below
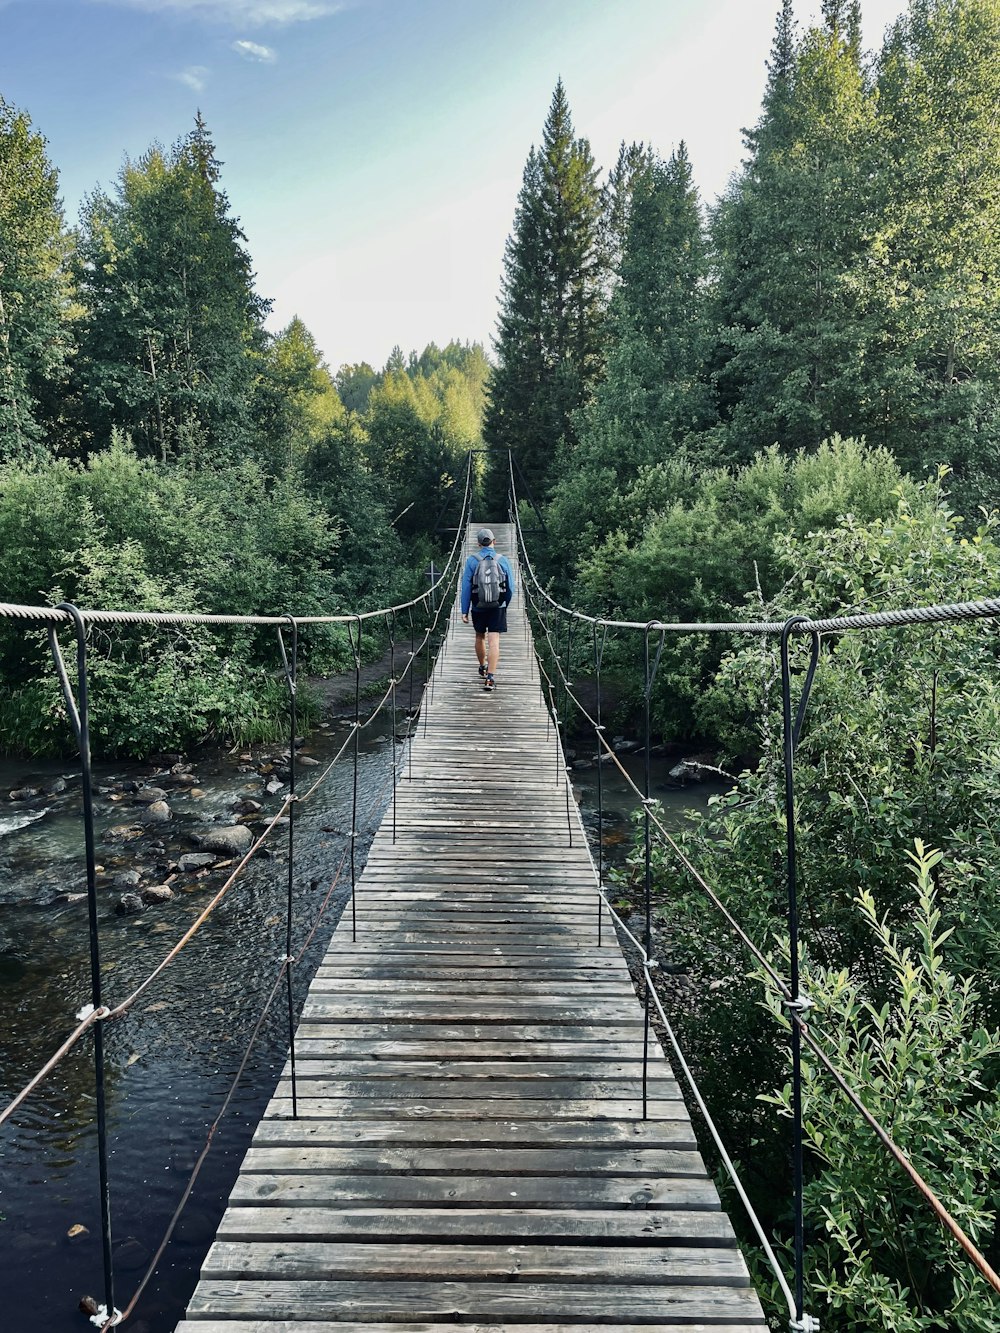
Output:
x=484 y=536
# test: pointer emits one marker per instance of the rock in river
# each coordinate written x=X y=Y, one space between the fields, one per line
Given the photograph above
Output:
x=228 y=840
x=129 y=904
x=157 y=893
x=157 y=813
x=192 y=861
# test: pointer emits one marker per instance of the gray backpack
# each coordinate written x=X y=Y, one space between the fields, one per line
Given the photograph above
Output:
x=489 y=583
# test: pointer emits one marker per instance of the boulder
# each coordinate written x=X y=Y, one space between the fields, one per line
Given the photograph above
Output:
x=227 y=840
x=307 y=761
x=149 y=795
x=121 y=833
x=247 y=807
x=125 y=879
x=129 y=904
x=25 y=794
x=55 y=787
x=157 y=893
x=157 y=813
x=192 y=861
x=273 y=787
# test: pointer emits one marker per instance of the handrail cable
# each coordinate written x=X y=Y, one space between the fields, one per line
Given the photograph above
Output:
x=284 y=969
x=89 y=1016
x=914 y=615
x=647 y=964
x=50 y=615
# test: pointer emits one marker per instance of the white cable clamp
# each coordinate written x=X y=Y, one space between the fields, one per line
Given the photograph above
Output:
x=100 y=1319
x=88 y=1010
x=651 y=965
x=800 y=1006
x=807 y=1324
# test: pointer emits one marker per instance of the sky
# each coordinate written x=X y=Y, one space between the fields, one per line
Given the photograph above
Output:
x=373 y=149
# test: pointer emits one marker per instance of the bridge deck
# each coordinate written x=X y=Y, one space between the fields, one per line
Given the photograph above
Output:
x=470 y=1147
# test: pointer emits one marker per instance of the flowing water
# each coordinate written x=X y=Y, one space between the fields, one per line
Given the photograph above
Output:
x=171 y=1059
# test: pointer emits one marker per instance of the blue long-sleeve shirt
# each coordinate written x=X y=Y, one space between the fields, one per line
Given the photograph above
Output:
x=472 y=564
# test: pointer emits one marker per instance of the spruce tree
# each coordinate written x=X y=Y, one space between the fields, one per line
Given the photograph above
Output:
x=34 y=336
x=789 y=236
x=172 y=322
x=934 y=279
x=549 y=341
x=654 y=400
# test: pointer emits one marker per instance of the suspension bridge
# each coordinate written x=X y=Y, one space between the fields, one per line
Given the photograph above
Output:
x=470 y=1143
x=476 y=1123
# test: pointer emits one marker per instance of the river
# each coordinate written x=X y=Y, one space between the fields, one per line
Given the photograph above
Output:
x=170 y=1060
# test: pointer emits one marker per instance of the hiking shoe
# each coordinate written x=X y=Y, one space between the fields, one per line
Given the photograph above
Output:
x=489 y=683
x=482 y=669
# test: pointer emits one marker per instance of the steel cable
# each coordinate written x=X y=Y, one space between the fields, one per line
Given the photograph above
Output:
x=107 y=1014
x=913 y=615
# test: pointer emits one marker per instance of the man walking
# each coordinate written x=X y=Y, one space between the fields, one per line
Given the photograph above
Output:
x=487 y=589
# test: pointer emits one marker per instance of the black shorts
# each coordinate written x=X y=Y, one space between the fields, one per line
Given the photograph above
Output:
x=494 y=620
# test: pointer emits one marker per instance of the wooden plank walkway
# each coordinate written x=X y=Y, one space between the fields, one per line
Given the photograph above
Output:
x=470 y=1147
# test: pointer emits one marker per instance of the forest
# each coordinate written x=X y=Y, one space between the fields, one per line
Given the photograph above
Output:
x=785 y=401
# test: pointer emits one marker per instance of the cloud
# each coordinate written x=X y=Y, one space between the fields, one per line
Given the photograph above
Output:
x=251 y=13
x=195 y=76
x=264 y=55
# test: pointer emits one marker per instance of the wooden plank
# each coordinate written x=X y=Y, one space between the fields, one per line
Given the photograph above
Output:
x=299 y=1260
x=472 y=1108
x=591 y=1227
x=349 y=1326
x=499 y=1133
x=468 y=1301
x=459 y=1192
x=481 y=1162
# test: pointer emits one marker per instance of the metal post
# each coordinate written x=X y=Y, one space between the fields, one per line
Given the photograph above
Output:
x=78 y=708
x=291 y=666
x=650 y=676
x=391 y=626
x=790 y=736
x=354 y=632
x=598 y=661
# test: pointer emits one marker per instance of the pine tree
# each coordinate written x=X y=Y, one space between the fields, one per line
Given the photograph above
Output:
x=172 y=321
x=654 y=397
x=549 y=342
x=34 y=292
x=789 y=237
x=934 y=277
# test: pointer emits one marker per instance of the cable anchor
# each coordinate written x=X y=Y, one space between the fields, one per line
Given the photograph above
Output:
x=801 y=1005
x=807 y=1324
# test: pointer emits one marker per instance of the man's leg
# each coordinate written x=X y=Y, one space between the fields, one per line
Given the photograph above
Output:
x=481 y=647
x=494 y=653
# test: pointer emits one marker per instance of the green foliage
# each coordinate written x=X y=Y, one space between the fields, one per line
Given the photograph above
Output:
x=171 y=318
x=696 y=539
x=125 y=532
x=34 y=290
x=932 y=280
x=788 y=235
x=549 y=346
x=654 y=396
x=295 y=401
x=876 y=1254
